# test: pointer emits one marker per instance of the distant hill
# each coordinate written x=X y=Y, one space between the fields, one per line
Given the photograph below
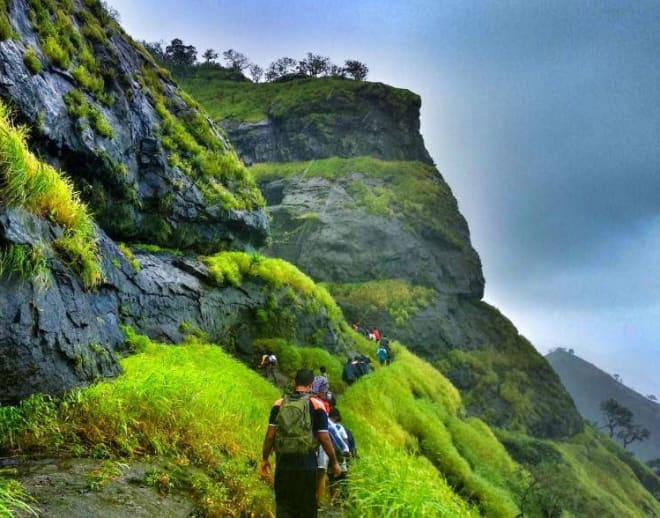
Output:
x=589 y=386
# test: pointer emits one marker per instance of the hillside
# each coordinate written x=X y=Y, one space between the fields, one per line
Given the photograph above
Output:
x=127 y=369
x=363 y=220
x=589 y=387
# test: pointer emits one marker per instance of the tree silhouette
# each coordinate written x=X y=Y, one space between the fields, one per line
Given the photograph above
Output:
x=619 y=421
x=256 y=72
x=356 y=69
x=235 y=60
x=314 y=65
x=210 y=55
x=633 y=433
x=616 y=415
x=179 y=54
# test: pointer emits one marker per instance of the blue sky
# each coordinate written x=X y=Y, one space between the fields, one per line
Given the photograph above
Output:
x=544 y=117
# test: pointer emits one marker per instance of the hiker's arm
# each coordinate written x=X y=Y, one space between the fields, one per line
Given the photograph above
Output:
x=326 y=442
x=269 y=442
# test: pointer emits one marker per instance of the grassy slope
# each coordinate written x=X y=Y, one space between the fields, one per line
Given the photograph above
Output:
x=195 y=406
x=252 y=102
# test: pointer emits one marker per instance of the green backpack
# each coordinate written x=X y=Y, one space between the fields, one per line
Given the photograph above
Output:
x=294 y=426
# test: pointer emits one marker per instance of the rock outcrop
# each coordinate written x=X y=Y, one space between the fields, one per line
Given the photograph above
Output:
x=152 y=165
x=56 y=335
x=346 y=119
x=327 y=228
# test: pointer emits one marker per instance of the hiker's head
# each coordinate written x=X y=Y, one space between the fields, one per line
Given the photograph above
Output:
x=334 y=414
x=322 y=369
x=304 y=378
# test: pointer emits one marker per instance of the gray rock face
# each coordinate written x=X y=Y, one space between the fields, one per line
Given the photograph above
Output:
x=321 y=227
x=134 y=190
x=59 y=336
x=374 y=120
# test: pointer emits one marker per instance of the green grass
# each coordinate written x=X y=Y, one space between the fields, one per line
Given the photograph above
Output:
x=247 y=101
x=43 y=191
x=413 y=192
x=80 y=108
x=32 y=61
x=580 y=476
x=25 y=262
x=409 y=407
x=174 y=402
x=14 y=501
x=200 y=415
x=195 y=149
x=229 y=269
x=398 y=297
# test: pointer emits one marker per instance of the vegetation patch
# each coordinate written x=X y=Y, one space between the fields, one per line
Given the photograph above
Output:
x=32 y=61
x=455 y=461
x=174 y=403
x=78 y=107
x=246 y=101
x=398 y=297
x=229 y=268
x=580 y=477
x=41 y=190
x=413 y=192
x=195 y=149
x=13 y=499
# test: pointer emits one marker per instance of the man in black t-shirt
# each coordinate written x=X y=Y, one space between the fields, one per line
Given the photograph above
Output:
x=295 y=473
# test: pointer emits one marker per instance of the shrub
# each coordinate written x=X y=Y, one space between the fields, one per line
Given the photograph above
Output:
x=55 y=52
x=32 y=61
x=91 y=82
x=5 y=26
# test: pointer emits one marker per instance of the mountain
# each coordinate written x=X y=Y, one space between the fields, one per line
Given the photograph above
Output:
x=379 y=224
x=128 y=378
x=589 y=387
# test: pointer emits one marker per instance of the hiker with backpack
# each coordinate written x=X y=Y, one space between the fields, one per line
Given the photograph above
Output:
x=381 y=354
x=342 y=449
x=268 y=363
x=298 y=423
x=385 y=344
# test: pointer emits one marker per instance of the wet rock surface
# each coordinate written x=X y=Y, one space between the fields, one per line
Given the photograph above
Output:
x=135 y=190
x=321 y=227
x=57 y=336
x=82 y=488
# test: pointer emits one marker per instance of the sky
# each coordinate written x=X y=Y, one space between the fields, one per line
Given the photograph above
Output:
x=543 y=117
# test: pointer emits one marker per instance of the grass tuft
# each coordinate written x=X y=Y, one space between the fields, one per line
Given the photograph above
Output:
x=41 y=190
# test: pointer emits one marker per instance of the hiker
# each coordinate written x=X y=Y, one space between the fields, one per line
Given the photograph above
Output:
x=350 y=375
x=321 y=385
x=297 y=424
x=376 y=333
x=385 y=343
x=364 y=365
x=268 y=363
x=342 y=449
x=338 y=483
x=381 y=354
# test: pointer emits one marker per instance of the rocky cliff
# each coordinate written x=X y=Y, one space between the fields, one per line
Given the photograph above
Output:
x=150 y=163
x=56 y=334
x=152 y=167
x=379 y=224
